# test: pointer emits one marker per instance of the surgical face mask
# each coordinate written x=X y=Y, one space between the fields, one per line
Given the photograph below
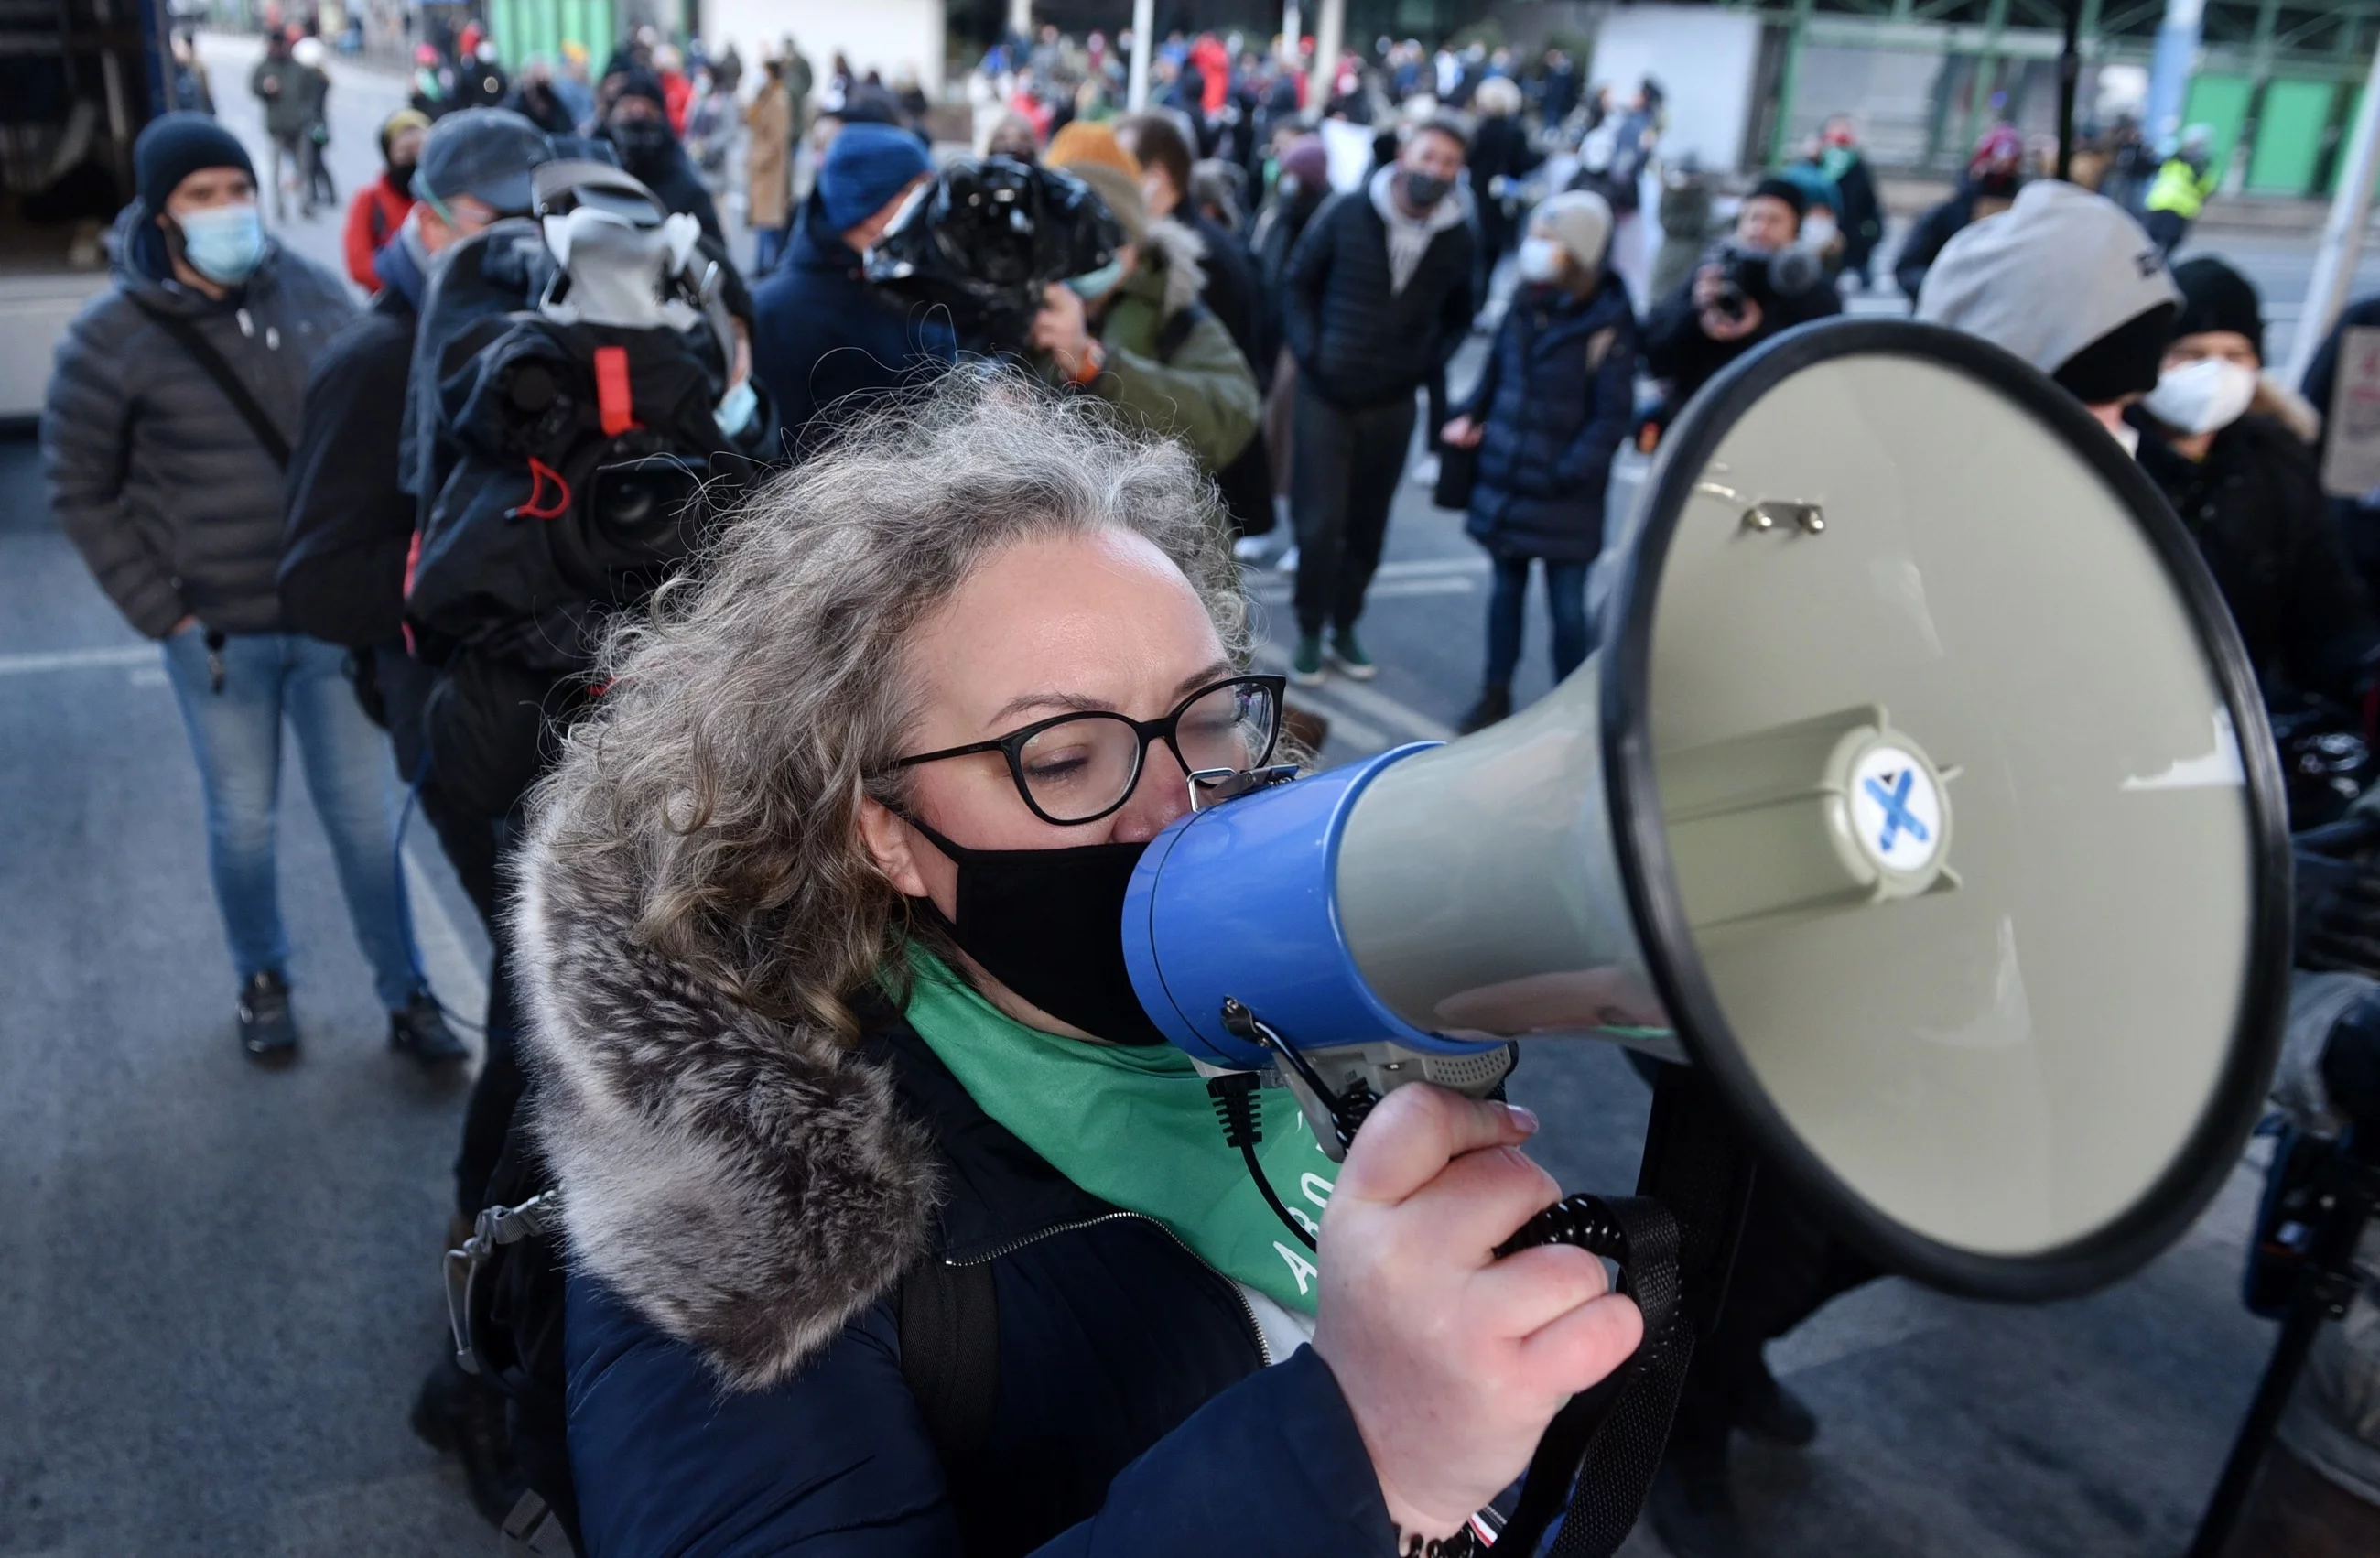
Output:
x=2203 y=396
x=1092 y=286
x=1818 y=231
x=1540 y=260
x=223 y=243
x=735 y=409
x=1423 y=190
x=1049 y=924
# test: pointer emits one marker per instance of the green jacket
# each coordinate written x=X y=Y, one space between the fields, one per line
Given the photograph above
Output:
x=1201 y=391
x=2182 y=188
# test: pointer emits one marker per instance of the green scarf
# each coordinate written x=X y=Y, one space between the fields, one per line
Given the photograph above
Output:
x=1133 y=1125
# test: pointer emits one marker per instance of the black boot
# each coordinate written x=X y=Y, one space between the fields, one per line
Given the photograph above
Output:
x=460 y=1416
x=1495 y=703
x=418 y=1029
x=266 y=1030
x=1694 y=1509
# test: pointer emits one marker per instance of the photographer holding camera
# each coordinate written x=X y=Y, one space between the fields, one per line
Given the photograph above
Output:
x=1758 y=284
x=1133 y=332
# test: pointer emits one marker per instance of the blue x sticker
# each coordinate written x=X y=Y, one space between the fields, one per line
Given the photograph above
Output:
x=1898 y=818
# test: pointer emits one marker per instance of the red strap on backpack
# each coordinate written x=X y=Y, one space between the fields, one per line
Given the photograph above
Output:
x=549 y=494
x=613 y=396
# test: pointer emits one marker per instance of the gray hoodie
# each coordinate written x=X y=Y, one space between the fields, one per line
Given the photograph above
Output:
x=153 y=474
x=2053 y=274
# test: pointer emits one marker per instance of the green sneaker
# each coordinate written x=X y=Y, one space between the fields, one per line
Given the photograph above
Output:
x=1306 y=665
x=1348 y=655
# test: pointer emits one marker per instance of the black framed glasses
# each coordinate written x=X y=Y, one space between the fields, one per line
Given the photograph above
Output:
x=1078 y=768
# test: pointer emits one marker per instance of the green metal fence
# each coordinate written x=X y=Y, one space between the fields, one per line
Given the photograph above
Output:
x=523 y=28
x=2281 y=80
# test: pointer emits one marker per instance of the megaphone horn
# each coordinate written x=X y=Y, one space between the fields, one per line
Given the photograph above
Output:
x=1919 y=795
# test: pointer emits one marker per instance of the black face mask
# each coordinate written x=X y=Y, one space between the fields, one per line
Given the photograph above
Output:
x=1049 y=924
x=1423 y=190
x=642 y=142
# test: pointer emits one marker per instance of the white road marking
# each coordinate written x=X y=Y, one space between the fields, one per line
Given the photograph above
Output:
x=1363 y=701
x=115 y=657
x=1386 y=589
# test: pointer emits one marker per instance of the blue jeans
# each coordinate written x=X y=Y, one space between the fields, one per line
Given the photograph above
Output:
x=1508 y=604
x=236 y=735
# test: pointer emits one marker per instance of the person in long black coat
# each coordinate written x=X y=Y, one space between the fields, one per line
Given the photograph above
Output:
x=1553 y=405
x=1862 y=215
x=1500 y=158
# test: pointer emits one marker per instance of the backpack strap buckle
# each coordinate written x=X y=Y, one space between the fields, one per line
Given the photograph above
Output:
x=495 y=1227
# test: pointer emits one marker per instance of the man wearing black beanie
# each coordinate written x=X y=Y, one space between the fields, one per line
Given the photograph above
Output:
x=166 y=439
x=2214 y=435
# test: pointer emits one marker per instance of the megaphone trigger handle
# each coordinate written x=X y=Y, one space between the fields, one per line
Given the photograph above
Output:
x=1345 y=1113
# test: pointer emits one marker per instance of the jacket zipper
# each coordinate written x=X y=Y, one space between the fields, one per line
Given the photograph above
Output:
x=1248 y=1311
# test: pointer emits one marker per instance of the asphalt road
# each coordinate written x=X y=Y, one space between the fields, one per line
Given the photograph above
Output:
x=218 y=1286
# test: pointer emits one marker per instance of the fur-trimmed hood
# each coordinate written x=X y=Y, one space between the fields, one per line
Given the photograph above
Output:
x=749 y=1185
x=1184 y=254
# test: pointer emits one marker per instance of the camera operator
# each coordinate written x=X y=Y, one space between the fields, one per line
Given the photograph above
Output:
x=1134 y=332
x=1749 y=290
x=820 y=331
x=821 y=911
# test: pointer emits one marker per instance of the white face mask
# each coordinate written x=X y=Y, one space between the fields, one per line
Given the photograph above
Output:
x=1540 y=259
x=2203 y=396
x=1818 y=231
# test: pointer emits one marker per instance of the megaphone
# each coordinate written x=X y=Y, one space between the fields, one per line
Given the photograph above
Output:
x=1919 y=795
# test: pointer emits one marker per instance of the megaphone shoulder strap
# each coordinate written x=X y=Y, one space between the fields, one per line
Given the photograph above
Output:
x=1595 y=1464
x=1674 y=1243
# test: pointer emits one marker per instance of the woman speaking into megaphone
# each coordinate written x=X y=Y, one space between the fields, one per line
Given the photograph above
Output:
x=893 y=1226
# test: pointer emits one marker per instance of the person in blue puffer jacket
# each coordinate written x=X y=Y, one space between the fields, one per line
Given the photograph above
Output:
x=1554 y=402
x=837 y=1059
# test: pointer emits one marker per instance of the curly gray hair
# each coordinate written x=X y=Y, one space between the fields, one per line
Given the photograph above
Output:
x=762 y=696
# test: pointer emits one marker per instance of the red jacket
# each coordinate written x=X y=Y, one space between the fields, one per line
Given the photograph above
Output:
x=678 y=96
x=372 y=219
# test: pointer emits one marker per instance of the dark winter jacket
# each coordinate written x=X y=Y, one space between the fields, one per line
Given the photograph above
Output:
x=155 y=477
x=291 y=101
x=735 y=1366
x=2359 y=527
x=349 y=524
x=673 y=181
x=1862 y=217
x=1357 y=341
x=1937 y=227
x=2256 y=509
x=1677 y=350
x=1556 y=399
x=821 y=333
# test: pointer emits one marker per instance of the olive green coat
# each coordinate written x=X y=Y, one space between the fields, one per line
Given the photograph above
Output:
x=1201 y=393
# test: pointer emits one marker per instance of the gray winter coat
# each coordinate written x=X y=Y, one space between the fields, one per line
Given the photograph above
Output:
x=155 y=475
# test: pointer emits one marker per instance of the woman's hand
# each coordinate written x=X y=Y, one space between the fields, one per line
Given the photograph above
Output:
x=1451 y=1360
x=1462 y=432
x=1061 y=329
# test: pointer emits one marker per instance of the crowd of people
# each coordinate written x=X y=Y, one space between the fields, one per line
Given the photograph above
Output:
x=770 y=994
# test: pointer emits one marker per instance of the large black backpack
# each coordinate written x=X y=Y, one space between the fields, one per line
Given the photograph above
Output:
x=505 y=1293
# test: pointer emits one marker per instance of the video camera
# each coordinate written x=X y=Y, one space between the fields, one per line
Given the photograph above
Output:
x=1764 y=276
x=986 y=238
